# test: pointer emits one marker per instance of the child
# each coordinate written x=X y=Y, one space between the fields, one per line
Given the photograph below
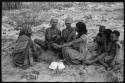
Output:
x=101 y=30
x=113 y=52
x=98 y=38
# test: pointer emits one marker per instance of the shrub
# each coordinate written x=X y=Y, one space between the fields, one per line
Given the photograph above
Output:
x=11 y=5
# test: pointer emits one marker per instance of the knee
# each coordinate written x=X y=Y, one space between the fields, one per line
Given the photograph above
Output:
x=64 y=48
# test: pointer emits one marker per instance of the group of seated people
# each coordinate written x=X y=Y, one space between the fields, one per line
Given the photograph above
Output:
x=69 y=45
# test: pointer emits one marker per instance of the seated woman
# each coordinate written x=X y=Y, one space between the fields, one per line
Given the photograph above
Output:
x=69 y=33
x=112 y=58
x=25 y=51
x=77 y=53
x=52 y=35
x=106 y=47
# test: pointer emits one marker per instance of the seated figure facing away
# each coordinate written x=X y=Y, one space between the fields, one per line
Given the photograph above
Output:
x=25 y=51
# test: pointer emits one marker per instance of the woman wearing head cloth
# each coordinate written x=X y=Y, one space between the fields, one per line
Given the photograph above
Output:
x=25 y=51
x=68 y=34
x=77 y=53
x=52 y=35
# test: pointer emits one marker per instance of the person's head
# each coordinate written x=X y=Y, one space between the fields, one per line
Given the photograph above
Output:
x=26 y=30
x=115 y=35
x=107 y=34
x=68 y=21
x=81 y=28
x=101 y=28
x=54 y=22
x=99 y=38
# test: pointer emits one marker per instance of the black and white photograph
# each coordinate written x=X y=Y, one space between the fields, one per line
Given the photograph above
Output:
x=62 y=41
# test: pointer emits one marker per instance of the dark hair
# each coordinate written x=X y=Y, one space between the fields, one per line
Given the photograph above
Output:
x=102 y=26
x=99 y=34
x=107 y=33
x=26 y=30
x=81 y=27
x=116 y=33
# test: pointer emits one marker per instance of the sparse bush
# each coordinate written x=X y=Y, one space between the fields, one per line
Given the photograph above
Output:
x=45 y=6
x=26 y=18
x=11 y=5
x=70 y=4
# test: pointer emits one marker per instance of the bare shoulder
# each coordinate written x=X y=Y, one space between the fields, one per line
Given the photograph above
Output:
x=117 y=44
x=84 y=37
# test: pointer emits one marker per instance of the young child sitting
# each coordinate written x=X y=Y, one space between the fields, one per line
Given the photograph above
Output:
x=98 y=39
x=113 y=52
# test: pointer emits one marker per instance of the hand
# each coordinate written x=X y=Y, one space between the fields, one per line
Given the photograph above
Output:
x=88 y=62
x=59 y=46
x=56 y=45
x=112 y=63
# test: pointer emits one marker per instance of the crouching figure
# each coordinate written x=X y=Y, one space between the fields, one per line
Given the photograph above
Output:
x=25 y=51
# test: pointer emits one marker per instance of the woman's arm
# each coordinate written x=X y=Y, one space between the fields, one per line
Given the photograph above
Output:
x=73 y=42
x=47 y=36
x=58 y=37
x=97 y=58
x=115 y=55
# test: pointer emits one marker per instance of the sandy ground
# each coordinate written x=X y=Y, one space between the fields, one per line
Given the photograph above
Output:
x=40 y=72
x=72 y=73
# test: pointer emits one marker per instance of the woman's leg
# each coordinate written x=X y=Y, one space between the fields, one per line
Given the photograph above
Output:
x=37 y=52
x=104 y=64
x=98 y=58
x=72 y=56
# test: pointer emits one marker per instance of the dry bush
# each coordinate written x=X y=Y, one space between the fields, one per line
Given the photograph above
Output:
x=82 y=4
x=45 y=6
x=33 y=16
x=26 y=17
x=11 y=5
